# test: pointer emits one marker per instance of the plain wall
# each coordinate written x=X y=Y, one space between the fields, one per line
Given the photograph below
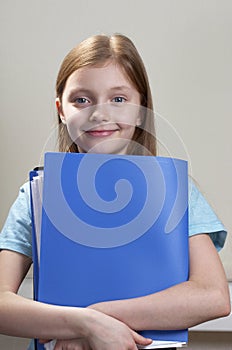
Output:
x=187 y=48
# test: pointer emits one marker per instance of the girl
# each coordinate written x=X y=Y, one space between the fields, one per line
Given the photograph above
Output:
x=107 y=74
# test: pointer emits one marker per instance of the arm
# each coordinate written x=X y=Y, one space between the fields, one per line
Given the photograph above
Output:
x=203 y=297
x=27 y=318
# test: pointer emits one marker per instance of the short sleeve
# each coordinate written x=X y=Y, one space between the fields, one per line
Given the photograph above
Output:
x=202 y=218
x=16 y=233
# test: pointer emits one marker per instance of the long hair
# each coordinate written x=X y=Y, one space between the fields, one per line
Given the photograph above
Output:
x=96 y=51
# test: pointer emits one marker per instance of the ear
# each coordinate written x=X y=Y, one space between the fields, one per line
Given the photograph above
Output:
x=139 y=121
x=60 y=110
x=140 y=116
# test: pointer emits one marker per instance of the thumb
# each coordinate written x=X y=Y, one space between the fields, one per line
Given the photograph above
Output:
x=140 y=340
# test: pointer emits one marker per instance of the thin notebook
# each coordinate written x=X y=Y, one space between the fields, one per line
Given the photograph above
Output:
x=113 y=227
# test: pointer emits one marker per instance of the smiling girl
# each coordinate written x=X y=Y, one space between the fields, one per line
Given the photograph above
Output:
x=104 y=105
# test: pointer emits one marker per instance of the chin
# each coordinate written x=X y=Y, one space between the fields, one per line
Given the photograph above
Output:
x=107 y=147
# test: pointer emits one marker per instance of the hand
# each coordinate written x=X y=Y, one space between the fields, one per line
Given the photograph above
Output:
x=72 y=344
x=101 y=333
x=66 y=344
x=82 y=344
x=107 y=332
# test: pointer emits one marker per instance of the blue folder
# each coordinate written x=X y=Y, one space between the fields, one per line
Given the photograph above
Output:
x=113 y=227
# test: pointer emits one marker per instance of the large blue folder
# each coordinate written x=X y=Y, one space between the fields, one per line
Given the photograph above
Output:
x=113 y=227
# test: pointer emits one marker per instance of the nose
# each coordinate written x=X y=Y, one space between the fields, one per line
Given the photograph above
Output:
x=100 y=113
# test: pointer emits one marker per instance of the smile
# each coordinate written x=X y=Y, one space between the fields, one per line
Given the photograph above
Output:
x=100 y=133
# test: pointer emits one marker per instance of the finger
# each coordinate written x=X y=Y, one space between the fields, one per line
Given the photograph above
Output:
x=139 y=339
x=72 y=344
x=58 y=346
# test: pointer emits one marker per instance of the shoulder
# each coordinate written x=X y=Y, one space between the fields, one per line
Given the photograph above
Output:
x=16 y=232
x=202 y=217
x=21 y=205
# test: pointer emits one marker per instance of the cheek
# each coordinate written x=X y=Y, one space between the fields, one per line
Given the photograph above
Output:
x=74 y=127
x=130 y=114
x=127 y=130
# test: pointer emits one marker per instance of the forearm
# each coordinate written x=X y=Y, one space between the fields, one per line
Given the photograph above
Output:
x=82 y=328
x=178 y=307
x=27 y=318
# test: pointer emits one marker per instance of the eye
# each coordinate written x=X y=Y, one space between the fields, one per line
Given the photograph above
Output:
x=81 y=100
x=119 y=99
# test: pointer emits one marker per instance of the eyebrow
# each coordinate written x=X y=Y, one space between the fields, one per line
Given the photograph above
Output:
x=120 y=88
x=78 y=89
x=87 y=91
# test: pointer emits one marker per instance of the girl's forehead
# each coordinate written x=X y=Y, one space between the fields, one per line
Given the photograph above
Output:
x=109 y=73
x=106 y=68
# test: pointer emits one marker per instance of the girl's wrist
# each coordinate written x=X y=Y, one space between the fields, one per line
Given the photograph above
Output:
x=86 y=320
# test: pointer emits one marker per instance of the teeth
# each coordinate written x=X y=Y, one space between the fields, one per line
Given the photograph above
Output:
x=100 y=130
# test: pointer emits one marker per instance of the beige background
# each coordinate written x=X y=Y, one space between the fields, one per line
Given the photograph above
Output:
x=187 y=49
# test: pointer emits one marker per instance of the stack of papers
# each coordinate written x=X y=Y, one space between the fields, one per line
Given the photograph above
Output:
x=36 y=193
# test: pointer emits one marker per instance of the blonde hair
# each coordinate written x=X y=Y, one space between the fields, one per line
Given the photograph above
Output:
x=96 y=51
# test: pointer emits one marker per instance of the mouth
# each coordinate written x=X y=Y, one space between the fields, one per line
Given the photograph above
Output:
x=100 y=132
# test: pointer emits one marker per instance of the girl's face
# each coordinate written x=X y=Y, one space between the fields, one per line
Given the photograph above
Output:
x=101 y=109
